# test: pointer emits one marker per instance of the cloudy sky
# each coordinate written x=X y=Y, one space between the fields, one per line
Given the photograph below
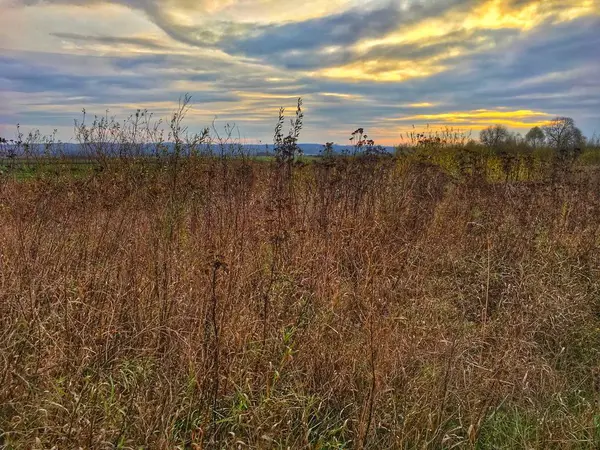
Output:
x=384 y=65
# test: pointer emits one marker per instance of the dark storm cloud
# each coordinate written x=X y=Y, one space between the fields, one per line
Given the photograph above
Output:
x=460 y=41
x=140 y=62
x=25 y=77
x=291 y=42
x=541 y=63
x=341 y=29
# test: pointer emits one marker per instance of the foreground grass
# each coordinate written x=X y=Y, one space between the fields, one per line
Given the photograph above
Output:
x=359 y=303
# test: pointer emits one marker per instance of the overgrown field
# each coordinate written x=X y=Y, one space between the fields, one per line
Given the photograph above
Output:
x=352 y=302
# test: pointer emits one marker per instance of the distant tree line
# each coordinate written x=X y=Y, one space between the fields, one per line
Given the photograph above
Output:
x=560 y=133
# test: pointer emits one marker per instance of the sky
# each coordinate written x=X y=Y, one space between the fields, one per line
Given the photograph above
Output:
x=384 y=65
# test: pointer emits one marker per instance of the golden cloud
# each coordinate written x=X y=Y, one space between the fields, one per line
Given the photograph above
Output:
x=384 y=71
x=481 y=118
x=420 y=105
x=489 y=15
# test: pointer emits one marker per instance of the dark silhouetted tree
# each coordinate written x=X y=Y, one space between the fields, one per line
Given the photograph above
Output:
x=494 y=136
x=535 y=137
x=562 y=134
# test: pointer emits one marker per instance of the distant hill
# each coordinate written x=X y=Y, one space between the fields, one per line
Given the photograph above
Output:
x=70 y=149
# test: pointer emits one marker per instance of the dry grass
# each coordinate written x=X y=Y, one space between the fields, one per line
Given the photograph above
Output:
x=353 y=303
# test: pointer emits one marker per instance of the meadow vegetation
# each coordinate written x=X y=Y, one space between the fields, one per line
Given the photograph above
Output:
x=446 y=296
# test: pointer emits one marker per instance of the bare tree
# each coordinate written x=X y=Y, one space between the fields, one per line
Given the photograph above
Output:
x=494 y=135
x=561 y=133
x=535 y=137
